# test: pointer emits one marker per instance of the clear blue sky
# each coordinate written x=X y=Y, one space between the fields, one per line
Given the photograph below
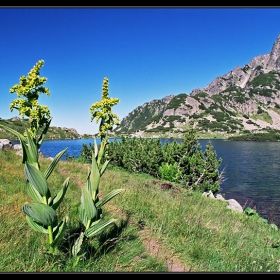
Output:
x=147 y=53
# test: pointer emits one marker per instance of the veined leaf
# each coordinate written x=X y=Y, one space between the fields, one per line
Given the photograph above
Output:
x=51 y=167
x=20 y=136
x=36 y=178
x=82 y=215
x=43 y=134
x=33 y=193
x=88 y=205
x=41 y=213
x=95 y=148
x=59 y=232
x=108 y=197
x=33 y=150
x=102 y=149
x=60 y=195
x=34 y=225
x=25 y=151
x=88 y=183
x=98 y=228
x=94 y=176
x=78 y=245
x=104 y=166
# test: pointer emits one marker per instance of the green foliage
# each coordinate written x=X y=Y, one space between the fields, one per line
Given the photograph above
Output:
x=102 y=111
x=19 y=125
x=252 y=212
x=40 y=213
x=176 y=101
x=194 y=169
x=266 y=135
x=90 y=210
x=270 y=79
x=28 y=91
x=170 y=172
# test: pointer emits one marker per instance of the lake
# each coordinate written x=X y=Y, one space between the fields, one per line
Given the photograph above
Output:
x=252 y=170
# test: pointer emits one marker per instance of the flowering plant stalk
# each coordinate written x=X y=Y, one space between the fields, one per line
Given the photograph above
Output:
x=90 y=210
x=40 y=213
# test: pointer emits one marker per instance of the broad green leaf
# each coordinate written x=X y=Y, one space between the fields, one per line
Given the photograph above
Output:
x=82 y=215
x=102 y=150
x=33 y=150
x=59 y=232
x=88 y=205
x=98 y=228
x=76 y=249
x=51 y=167
x=33 y=193
x=60 y=195
x=25 y=151
x=40 y=212
x=108 y=197
x=34 y=225
x=104 y=166
x=36 y=178
x=88 y=183
x=94 y=176
x=20 y=136
x=95 y=148
x=43 y=134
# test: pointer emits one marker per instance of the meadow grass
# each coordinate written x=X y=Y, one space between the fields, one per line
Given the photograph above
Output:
x=156 y=226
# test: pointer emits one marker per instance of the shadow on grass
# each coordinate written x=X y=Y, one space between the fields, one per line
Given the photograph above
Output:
x=99 y=245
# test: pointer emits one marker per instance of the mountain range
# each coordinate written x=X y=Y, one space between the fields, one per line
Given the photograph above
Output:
x=244 y=100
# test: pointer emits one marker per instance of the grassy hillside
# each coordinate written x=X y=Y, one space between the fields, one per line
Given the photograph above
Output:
x=161 y=227
x=19 y=125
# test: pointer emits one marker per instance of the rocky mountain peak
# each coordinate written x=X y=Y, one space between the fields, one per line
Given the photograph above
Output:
x=274 y=56
x=245 y=99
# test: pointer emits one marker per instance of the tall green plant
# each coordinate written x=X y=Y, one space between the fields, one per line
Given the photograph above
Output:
x=41 y=212
x=90 y=210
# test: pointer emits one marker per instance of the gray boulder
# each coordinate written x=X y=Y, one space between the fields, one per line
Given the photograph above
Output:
x=5 y=143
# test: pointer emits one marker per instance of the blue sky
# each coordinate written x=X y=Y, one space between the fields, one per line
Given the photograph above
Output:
x=147 y=53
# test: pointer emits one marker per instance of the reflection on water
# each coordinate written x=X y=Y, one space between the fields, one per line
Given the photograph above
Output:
x=252 y=170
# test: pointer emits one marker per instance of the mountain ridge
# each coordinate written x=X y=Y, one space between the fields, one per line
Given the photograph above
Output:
x=244 y=100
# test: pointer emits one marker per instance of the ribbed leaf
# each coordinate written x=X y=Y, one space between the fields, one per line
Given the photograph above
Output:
x=36 y=178
x=88 y=205
x=82 y=215
x=33 y=193
x=43 y=134
x=108 y=197
x=60 y=195
x=22 y=140
x=101 y=150
x=20 y=136
x=95 y=147
x=104 y=166
x=88 y=183
x=33 y=150
x=94 y=177
x=78 y=245
x=59 y=232
x=25 y=151
x=51 y=167
x=34 y=225
x=40 y=212
x=98 y=228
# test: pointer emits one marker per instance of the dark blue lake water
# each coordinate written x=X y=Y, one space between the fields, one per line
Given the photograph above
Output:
x=252 y=170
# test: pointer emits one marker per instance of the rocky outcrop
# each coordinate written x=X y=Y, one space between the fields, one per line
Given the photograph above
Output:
x=5 y=143
x=246 y=98
x=232 y=203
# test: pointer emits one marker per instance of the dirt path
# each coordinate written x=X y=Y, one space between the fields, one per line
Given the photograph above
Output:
x=153 y=247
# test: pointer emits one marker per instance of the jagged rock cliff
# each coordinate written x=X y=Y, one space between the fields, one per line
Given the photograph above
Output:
x=244 y=99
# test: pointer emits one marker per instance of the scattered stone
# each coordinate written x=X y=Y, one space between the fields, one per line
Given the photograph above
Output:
x=232 y=203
